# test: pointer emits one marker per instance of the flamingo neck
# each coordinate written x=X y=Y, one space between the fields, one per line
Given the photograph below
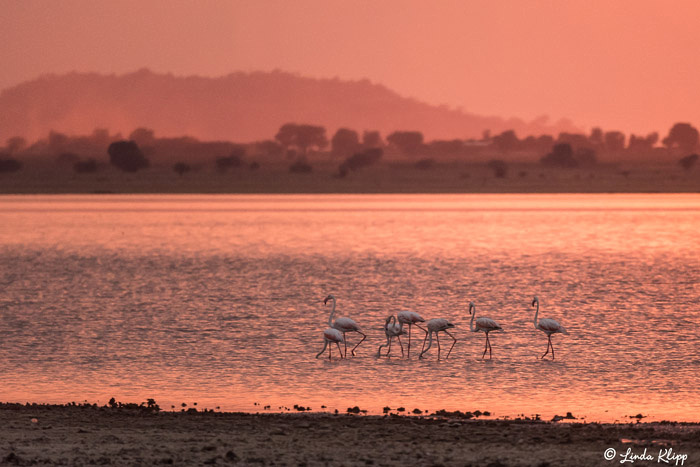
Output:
x=330 y=317
x=389 y=321
x=471 y=323
x=536 y=312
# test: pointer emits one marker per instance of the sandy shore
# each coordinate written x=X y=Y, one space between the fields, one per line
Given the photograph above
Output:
x=53 y=435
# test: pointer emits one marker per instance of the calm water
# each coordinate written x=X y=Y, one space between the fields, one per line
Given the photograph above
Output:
x=218 y=300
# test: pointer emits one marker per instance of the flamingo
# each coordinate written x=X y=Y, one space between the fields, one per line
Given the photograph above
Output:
x=411 y=318
x=435 y=326
x=547 y=326
x=483 y=324
x=391 y=329
x=344 y=325
x=331 y=335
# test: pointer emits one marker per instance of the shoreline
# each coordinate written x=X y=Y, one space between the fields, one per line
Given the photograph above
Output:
x=86 y=434
x=447 y=177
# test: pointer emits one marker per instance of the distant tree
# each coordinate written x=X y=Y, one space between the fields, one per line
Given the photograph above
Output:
x=506 y=141
x=127 y=156
x=372 y=139
x=101 y=136
x=683 y=136
x=585 y=157
x=561 y=156
x=58 y=142
x=596 y=137
x=575 y=140
x=362 y=159
x=8 y=164
x=269 y=148
x=499 y=167
x=344 y=142
x=302 y=137
x=688 y=162
x=181 y=168
x=614 y=141
x=300 y=166
x=408 y=142
x=642 y=143
x=537 y=144
x=233 y=160
x=87 y=166
x=143 y=136
x=16 y=144
x=446 y=147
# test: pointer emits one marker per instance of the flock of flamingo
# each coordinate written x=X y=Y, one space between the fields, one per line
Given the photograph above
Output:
x=335 y=333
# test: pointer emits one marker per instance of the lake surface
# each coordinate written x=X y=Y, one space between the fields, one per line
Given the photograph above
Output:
x=219 y=300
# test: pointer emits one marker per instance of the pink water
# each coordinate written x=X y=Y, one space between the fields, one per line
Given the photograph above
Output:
x=218 y=300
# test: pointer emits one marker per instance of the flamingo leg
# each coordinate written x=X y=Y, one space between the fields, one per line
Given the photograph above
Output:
x=489 y=343
x=486 y=347
x=409 y=340
x=325 y=344
x=552 y=346
x=422 y=349
x=364 y=336
x=549 y=341
x=329 y=352
x=389 y=350
x=426 y=334
x=346 y=345
x=437 y=337
x=341 y=353
x=379 y=350
x=399 y=338
x=454 y=341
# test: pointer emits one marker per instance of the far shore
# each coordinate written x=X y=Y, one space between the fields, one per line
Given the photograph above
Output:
x=89 y=435
x=384 y=177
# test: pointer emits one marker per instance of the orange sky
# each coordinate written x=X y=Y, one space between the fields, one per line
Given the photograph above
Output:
x=629 y=65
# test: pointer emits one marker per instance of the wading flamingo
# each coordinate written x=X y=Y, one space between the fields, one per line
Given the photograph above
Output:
x=331 y=335
x=391 y=329
x=344 y=325
x=547 y=326
x=435 y=326
x=483 y=324
x=410 y=318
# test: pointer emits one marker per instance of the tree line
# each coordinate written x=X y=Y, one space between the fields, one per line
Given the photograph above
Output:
x=301 y=144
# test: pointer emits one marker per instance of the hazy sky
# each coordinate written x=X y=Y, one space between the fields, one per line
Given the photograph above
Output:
x=630 y=65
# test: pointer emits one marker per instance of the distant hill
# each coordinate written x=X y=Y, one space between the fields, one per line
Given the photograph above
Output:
x=238 y=107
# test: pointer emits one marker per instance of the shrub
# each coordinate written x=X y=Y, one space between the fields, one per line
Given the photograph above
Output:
x=561 y=156
x=688 y=162
x=181 y=168
x=499 y=167
x=127 y=156
x=8 y=164
x=363 y=159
